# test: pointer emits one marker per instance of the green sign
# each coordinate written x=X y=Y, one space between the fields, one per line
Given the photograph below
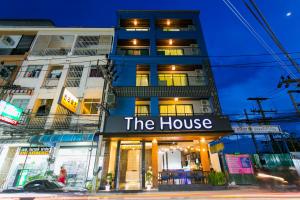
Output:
x=10 y=111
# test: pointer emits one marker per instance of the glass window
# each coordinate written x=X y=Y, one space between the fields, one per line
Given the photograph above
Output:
x=33 y=71
x=205 y=106
x=21 y=103
x=95 y=71
x=90 y=106
x=176 y=110
x=170 y=52
x=55 y=74
x=142 y=80
x=173 y=79
x=142 y=110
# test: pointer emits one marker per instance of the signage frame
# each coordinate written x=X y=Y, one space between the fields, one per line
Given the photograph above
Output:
x=61 y=98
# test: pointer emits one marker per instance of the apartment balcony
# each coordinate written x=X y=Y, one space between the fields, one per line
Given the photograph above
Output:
x=52 y=45
x=133 y=47
x=172 y=25
x=177 y=47
x=100 y=50
x=50 y=83
x=134 y=24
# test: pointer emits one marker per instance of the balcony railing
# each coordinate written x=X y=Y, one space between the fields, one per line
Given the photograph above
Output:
x=133 y=52
x=188 y=28
x=178 y=51
x=178 y=80
x=142 y=114
x=101 y=50
x=50 y=82
x=51 y=52
x=135 y=29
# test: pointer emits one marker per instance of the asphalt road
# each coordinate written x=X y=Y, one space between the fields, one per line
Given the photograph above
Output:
x=243 y=194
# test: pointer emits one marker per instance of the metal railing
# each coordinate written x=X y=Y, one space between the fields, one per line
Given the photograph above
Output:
x=92 y=51
x=50 y=82
x=133 y=52
x=188 y=28
x=51 y=52
x=179 y=80
x=178 y=51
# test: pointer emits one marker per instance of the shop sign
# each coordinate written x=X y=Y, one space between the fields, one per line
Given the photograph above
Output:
x=257 y=129
x=9 y=113
x=206 y=123
x=68 y=100
x=217 y=147
x=34 y=151
x=239 y=164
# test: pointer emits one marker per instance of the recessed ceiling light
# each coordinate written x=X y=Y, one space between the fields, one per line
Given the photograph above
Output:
x=134 y=41
x=168 y=22
x=288 y=14
x=176 y=99
x=135 y=22
x=173 y=67
x=170 y=41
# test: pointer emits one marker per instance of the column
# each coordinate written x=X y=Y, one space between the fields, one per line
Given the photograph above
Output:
x=155 y=163
x=204 y=156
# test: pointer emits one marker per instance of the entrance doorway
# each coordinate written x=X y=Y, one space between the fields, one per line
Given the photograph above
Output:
x=130 y=165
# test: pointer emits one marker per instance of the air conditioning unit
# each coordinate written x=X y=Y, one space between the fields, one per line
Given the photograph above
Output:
x=111 y=100
x=8 y=41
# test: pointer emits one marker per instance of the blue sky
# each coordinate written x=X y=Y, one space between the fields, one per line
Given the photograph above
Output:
x=224 y=35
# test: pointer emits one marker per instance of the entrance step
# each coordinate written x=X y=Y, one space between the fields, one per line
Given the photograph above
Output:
x=190 y=187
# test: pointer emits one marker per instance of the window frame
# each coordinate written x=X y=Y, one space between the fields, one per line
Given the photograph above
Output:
x=90 y=108
x=33 y=67
x=176 y=110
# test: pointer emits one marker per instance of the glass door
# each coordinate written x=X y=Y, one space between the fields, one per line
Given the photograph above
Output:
x=130 y=165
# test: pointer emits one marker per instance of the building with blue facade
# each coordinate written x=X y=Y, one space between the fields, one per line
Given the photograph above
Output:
x=166 y=104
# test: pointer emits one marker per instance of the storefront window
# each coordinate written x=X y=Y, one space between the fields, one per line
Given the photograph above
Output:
x=176 y=110
x=90 y=106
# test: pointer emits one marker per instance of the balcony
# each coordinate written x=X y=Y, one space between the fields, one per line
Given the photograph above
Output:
x=134 y=24
x=175 y=25
x=52 y=45
x=177 y=47
x=93 y=45
x=50 y=83
x=133 y=47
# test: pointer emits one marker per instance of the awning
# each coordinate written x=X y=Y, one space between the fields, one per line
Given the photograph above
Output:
x=57 y=138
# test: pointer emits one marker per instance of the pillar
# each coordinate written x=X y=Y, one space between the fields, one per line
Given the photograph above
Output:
x=204 y=156
x=155 y=163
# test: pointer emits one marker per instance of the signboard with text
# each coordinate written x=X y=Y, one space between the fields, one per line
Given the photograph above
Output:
x=34 y=151
x=9 y=113
x=68 y=100
x=257 y=129
x=201 y=123
x=239 y=164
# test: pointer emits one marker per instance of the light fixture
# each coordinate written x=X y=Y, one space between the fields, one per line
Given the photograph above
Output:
x=173 y=67
x=134 y=41
x=176 y=99
x=203 y=149
x=202 y=140
x=168 y=22
x=135 y=22
x=170 y=41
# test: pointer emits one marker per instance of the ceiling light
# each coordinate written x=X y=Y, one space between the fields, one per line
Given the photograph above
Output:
x=135 y=22
x=134 y=41
x=173 y=67
x=202 y=139
x=168 y=22
x=176 y=99
x=170 y=41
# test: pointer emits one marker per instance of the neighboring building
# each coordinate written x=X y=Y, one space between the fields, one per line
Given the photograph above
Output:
x=63 y=70
x=167 y=108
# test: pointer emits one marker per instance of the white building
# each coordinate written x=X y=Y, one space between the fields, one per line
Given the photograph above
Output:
x=61 y=61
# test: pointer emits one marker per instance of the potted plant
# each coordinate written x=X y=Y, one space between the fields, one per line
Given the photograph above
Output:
x=217 y=179
x=149 y=177
x=108 y=179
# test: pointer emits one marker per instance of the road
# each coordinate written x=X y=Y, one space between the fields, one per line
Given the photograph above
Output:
x=244 y=194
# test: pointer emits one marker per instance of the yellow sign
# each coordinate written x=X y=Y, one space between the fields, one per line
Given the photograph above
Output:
x=68 y=100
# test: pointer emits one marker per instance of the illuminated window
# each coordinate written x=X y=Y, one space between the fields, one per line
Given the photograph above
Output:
x=176 y=110
x=90 y=106
x=33 y=71
x=21 y=103
x=142 y=110
x=142 y=80
x=173 y=79
x=170 y=52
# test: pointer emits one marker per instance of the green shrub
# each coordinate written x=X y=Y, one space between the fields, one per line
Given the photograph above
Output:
x=216 y=178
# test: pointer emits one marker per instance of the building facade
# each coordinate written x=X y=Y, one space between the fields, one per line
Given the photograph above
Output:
x=63 y=71
x=166 y=104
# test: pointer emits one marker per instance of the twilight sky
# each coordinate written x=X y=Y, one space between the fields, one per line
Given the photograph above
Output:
x=224 y=34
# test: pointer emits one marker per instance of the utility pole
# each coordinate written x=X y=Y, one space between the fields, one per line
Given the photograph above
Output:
x=295 y=103
x=252 y=134
x=263 y=112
